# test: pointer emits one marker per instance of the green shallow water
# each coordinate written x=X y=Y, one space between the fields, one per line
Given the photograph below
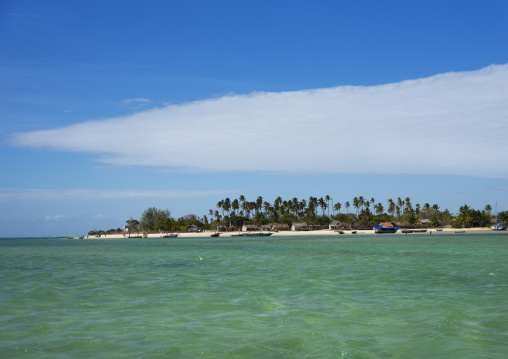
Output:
x=420 y=296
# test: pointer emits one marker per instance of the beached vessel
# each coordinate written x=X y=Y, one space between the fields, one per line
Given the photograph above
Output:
x=385 y=227
x=169 y=235
x=498 y=227
x=257 y=234
x=214 y=234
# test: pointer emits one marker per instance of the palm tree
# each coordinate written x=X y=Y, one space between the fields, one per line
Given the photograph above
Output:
x=266 y=207
x=322 y=204
x=488 y=209
x=259 y=203
x=295 y=205
x=220 y=205
x=464 y=216
x=277 y=203
x=227 y=205
x=301 y=207
x=373 y=201
x=243 y=206
x=356 y=204
x=391 y=207
x=407 y=203
x=327 y=199
x=337 y=207
x=400 y=203
x=235 y=205
x=361 y=201
x=347 y=207
x=379 y=208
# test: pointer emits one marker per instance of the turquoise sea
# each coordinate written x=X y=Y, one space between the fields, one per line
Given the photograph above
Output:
x=386 y=296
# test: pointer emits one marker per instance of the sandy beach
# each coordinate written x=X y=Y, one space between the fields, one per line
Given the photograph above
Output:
x=323 y=232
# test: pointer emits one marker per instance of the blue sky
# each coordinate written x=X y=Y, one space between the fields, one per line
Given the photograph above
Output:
x=111 y=107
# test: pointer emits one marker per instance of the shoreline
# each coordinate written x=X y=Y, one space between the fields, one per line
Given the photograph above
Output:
x=322 y=232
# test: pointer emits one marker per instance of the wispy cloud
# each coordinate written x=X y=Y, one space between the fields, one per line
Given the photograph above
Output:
x=454 y=124
x=136 y=103
x=13 y=194
x=54 y=218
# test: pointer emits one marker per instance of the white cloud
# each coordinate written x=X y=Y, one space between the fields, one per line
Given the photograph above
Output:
x=136 y=103
x=454 y=123
x=13 y=194
x=54 y=218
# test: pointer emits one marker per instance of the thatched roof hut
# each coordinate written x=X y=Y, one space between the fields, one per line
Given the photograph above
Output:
x=280 y=227
x=250 y=228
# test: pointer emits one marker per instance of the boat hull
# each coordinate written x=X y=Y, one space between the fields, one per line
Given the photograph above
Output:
x=385 y=228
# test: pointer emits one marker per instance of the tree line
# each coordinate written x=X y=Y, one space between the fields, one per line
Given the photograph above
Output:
x=233 y=213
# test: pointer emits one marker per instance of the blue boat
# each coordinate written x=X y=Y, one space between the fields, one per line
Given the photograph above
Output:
x=385 y=228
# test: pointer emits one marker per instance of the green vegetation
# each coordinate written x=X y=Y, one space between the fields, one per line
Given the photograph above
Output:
x=232 y=214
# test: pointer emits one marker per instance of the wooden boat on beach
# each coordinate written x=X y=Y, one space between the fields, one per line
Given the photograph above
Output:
x=214 y=234
x=169 y=235
x=257 y=234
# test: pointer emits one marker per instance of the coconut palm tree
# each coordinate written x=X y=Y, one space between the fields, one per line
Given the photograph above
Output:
x=337 y=206
x=295 y=205
x=301 y=207
x=488 y=209
x=220 y=205
x=400 y=203
x=391 y=207
x=356 y=204
x=327 y=199
x=235 y=206
x=259 y=203
x=361 y=201
x=227 y=205
x=277 y=203
x=322 y=204
x=407 y=203
x=266 y=207
x=347 y=207
x=243 y=204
